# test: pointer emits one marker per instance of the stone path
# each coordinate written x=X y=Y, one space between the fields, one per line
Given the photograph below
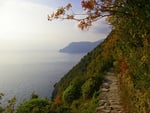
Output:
x=109 y=96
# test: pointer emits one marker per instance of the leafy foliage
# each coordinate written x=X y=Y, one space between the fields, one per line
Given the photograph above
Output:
x=1 y=108
x=72 y=92
x=34 y=106
x=90 y=87
x=10 y=108
x=93 y=11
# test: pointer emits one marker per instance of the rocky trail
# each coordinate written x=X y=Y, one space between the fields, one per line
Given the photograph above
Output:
x=109 y=96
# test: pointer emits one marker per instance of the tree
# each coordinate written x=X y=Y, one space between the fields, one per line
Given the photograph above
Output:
x=93 y=11
x=121 y=14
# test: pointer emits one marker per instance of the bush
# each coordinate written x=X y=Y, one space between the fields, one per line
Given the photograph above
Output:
x=38 y=105
x=62 y=109
x=73 y=91
x=92 y=104
x=90 y=86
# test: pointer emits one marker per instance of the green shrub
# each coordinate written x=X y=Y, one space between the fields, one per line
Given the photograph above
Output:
x=73 y=91
x=1 y=108
x=92 y=104
x=62 y=109
x=90 y=86
x=38 y=105
x=34 y=95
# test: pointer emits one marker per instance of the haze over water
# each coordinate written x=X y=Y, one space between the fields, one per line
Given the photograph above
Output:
x=22 y=72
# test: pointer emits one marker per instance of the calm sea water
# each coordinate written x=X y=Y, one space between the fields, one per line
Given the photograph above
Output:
x=22 y=73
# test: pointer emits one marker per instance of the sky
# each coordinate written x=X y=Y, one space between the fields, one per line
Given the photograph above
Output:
x=24 y=26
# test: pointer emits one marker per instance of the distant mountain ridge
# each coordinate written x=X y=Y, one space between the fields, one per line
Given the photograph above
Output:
x=80 y=47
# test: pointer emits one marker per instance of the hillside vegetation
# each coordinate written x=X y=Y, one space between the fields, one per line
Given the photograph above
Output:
x=79 y=88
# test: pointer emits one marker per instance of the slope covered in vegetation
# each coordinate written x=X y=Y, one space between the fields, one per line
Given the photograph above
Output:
x=79 y=88
x=131 y=62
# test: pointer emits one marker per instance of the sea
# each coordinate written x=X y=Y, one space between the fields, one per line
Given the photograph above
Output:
x=25 y=72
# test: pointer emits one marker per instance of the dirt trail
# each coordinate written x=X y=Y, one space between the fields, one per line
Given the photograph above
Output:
x=109 y=96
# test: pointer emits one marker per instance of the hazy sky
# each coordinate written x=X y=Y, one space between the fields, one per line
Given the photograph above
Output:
x=24 y=26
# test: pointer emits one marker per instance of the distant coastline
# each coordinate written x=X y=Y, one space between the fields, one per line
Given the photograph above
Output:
x=80 y=47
